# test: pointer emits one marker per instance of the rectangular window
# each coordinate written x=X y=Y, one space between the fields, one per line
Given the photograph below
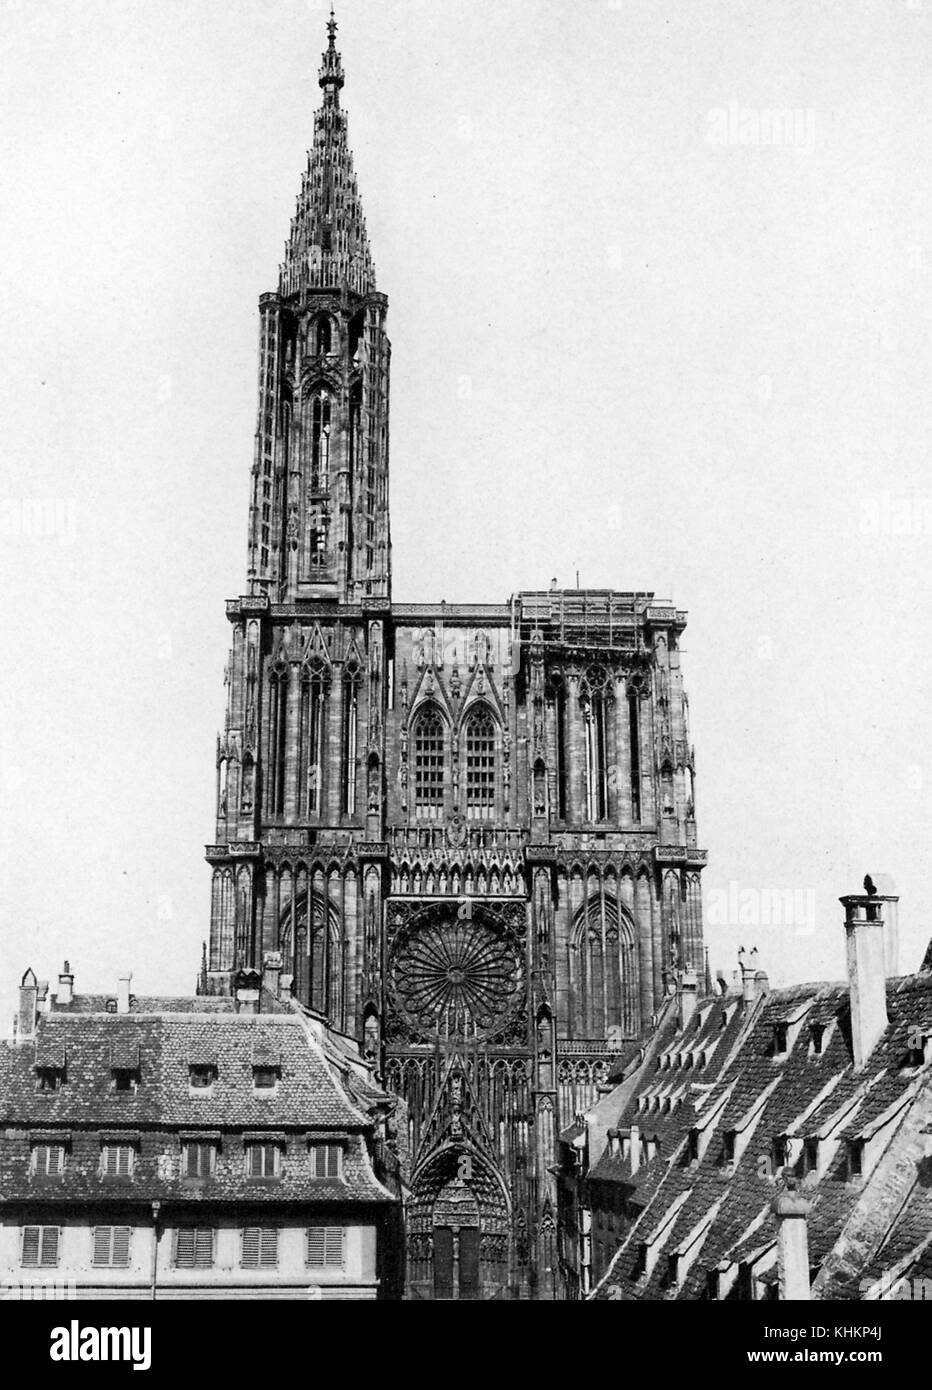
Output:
x=198 y=1160
x=194 y=1247
x=263 y=1160
x=201 y=1076
x=49 y=1078
x=111 y=1246
x=117 y=1160
x=260 y=1247
x=326 y=1160
x=855 y=1158
x=812 y=1155
x=265 y=1078
x=124 y=1078
x=781 y=1036
x=48 y=1160
x=41 y=1245
x=325 y=1247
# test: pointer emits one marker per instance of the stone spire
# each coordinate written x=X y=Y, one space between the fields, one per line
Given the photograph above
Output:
x=328 y=246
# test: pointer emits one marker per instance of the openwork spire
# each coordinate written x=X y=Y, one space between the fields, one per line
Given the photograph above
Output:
x=328 y=246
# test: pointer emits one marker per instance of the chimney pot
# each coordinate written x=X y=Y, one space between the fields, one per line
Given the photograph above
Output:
x=28 y=1008
x=867 y=978
x=123 y=996
x=791 y=1209
x=65 y=985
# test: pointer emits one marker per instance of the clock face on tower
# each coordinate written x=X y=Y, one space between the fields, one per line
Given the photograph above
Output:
x=456 y=971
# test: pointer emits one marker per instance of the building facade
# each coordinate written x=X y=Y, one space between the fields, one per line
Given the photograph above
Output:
x=765 y=1144
x=464 y=834
x=190 y=1148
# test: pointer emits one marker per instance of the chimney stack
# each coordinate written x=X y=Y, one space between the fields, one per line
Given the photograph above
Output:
x=246 y=991
x=791 y=1209
x=271 y=972
x=747 y=960
x=634 y=1148
x=885 y=892
x=867 y=977
x=65 y=986
x=688 y=994
x=28 y=1008
x=123 y=984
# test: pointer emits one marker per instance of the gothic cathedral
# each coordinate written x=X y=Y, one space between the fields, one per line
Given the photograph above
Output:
x=464 y=834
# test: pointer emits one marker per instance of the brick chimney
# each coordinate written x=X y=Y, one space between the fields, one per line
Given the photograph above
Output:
x=65 y=986
x=28 y=1008
x=791 y=1209
x=867 y=976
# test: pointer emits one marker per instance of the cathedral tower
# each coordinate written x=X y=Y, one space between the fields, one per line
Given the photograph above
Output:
x=463 y=833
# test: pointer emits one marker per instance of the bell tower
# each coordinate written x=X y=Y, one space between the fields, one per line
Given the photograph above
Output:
x=318 y=525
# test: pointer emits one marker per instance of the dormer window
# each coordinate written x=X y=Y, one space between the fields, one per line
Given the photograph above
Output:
x=781 y=1152
x=693 y=1149
x=47 y=1160
x=124 y=1078
x=729 y=1145
x=811 y=1155
x=117 y=1160
x=263 y=1160
x=326 y=1160
x=201 y=1078
x=50 y=1078
x=816 y=1038
x=781 y=1035
x=198 y=1159
x=265 y=1080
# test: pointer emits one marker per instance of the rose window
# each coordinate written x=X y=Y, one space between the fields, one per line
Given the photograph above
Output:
x=457 y=978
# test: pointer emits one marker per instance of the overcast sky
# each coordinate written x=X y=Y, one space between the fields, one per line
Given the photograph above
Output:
x=640 y=330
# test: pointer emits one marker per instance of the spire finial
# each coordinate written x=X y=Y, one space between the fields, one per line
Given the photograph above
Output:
x=331 y=70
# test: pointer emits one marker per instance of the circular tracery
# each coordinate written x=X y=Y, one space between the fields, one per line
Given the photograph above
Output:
x=456 y=978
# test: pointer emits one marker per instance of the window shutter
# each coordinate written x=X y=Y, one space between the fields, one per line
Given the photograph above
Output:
x=49 y=1252
x=203 y=1246
x=124 y=1161
x=102 y=1245
x=31 y=1245
x=251 y=1247
x=268 y=1249
x=184 y=1247
x=325 y=1246
x=333 y=1254
x=121 y=1235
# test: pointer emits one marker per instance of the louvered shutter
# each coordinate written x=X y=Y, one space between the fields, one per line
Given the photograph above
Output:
x=203 y=1247
x=268 y=1248
x=49 y=1251
x=121 y=1235
x=124 y=1161
x=184 y=1247
x=250 y=1247
x=102 y=1245
x=333 y=1249
x=31 y=1236
x=316 y=1238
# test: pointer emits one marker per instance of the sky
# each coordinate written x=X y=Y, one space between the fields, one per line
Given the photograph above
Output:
x=659 y=279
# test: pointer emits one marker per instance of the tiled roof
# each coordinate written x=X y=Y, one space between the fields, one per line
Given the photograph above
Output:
x=762 y=1095
x=308 y=1101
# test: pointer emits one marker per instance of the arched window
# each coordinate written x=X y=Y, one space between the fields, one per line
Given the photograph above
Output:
x=350 y=722
x=429 y=762
x=480 y=764
x=278 y=733
x=605 y=970
x=595 y=714
x=311 y=728
x=324 y=335
x=559 y=707
x=320 y=442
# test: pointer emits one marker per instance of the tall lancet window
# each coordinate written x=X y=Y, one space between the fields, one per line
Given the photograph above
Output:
x=480 y=764
x=594 y=702
x=350 y=739
x=429 y=763
x=278 y=740
x=355 y=426
x=603 y=967
x=311 y=728
x=324 y=335
x=560 y=711
x=320 y=442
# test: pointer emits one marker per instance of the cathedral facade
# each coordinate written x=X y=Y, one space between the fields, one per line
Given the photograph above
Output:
x=463 y=834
